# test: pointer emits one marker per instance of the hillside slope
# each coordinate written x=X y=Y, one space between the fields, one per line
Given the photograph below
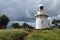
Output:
x=44 y=35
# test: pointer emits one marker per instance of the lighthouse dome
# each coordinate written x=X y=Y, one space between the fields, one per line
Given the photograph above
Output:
x=40 y=11
x=40 y=5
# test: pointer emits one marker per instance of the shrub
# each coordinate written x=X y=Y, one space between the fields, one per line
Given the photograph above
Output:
x=16 y=25
x=11 y=34
x=25 y=25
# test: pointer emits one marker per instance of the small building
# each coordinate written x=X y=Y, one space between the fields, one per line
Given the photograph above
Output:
x=56 y=23
x=41 y=18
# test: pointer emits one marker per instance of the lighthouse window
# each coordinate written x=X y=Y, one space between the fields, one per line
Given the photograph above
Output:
x=48 y=23
x=41 y=7
x=41 y=22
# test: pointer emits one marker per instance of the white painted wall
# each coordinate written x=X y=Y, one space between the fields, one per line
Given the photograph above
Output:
x=40 y=24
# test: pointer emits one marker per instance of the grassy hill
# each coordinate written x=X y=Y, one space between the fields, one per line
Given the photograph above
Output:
x=21 y=34
x=44 y=35
x=15 y=34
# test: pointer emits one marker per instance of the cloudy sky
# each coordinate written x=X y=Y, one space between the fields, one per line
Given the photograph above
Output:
x=24 y=10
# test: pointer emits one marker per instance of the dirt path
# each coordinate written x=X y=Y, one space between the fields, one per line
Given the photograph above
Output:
x=29 y=34
x=23 y=36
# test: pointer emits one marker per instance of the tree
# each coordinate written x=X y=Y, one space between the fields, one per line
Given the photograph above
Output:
x=25 y=25
x=3 y=21
x=16 y=25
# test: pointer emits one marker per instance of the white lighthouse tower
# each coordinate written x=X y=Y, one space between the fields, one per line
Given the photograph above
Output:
x=41 y=18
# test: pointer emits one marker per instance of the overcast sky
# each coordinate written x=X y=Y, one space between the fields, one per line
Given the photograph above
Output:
x=24 y=10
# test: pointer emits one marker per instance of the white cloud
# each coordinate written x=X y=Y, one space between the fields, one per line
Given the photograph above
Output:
x=58 y=15
x=49 y=18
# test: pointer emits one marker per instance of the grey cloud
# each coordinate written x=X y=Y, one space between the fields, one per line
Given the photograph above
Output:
x=24 y=10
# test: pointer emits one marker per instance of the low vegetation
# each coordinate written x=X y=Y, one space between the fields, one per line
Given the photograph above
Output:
x=16 y=25
x=22 y=34
x=44 y=35
x=15 y=34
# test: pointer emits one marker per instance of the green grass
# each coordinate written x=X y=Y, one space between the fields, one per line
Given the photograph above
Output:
x=15 y=34
x=44 y=35
x=11 y=34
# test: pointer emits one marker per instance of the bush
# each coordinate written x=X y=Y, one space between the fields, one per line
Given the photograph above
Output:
x=16 y=25
x=25 y=25
x=11 y=34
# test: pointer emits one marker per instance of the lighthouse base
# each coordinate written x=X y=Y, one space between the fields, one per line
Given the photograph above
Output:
x=42 y=28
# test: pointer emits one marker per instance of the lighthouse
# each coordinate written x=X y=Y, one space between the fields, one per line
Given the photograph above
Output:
x=42 y=21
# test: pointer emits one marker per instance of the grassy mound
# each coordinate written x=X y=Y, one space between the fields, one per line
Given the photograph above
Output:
x=11 y=34
x=44 y=35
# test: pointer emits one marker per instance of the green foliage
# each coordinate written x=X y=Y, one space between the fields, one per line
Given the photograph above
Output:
x=16 y=25
x=55 y=21
x=11 y=34
x=44 y=35
x=3 y=21
x=17 y=34
x=25 y=25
